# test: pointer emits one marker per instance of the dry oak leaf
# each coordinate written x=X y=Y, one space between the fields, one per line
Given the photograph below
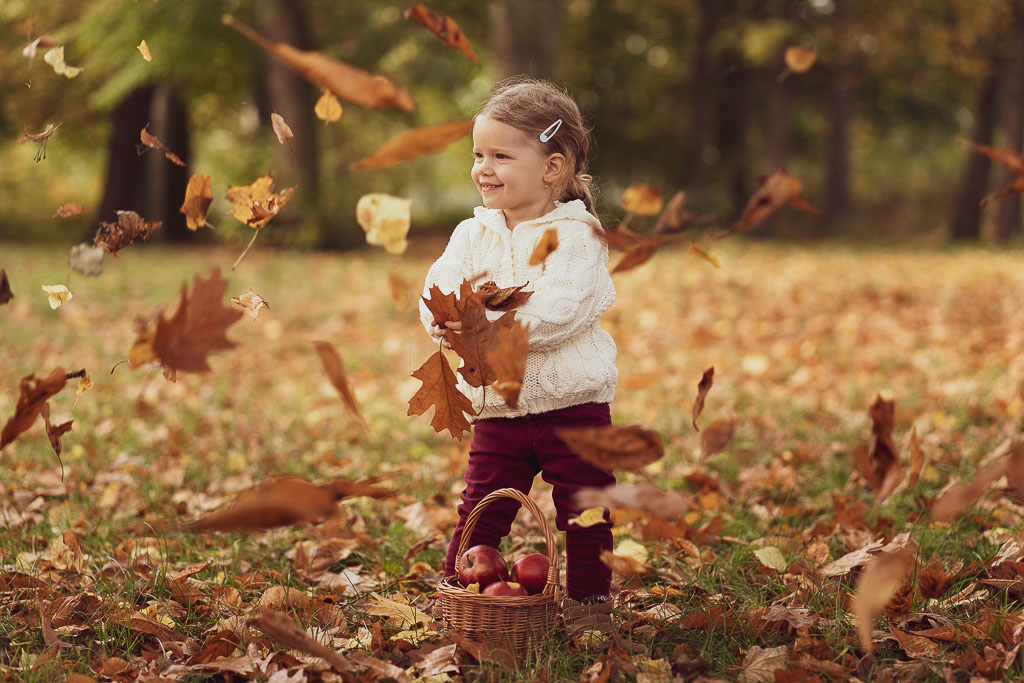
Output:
x=56 y=295
x=716 y=437
x=86 y=260
x=675 y=217
x=198 y=327
x=250 y=301
x=366 y=89
x=477 y=338
x=628 y=447
x=281 y=128
x=334 y=366
x=642 y=200
x=255 y=204
x=153 y=142
x=760 y=664
x=503 y=299
x=54 y=432
x=5 y=288
x=32 y=396
x=646 y=497
x=707 y=380
x=444 y=27
x=880 y=579
x=55 y=58
x=775 y=190
x=198 y=196
x=71 y=209
x=114 y=236
x=440 y=390
x=143 y=49
x=282 y=629
x=327 y=108
x=547 y=243
x=637 y=255
x=444 y=307
x=414 y=143
x=385 y=219
x=508 y=361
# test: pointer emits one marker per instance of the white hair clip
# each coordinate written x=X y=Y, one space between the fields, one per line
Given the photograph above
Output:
x=550 y=131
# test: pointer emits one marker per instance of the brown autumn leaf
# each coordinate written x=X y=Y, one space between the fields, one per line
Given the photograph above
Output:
x=548 y=243
x=32 y=396
x=282 y=629
x=86 y=260
x=508 y=360
x=153 y=142
x=440 y=390
x=621 y=238
x=707 y=380
x=328 y=109
x=884 y=471
x=1015 y=468
x=477 y=337
x=334 y=366
x=68 y=210
x=444 y=307
x=949 y=505
x=624 y=566
x=642 y=200
x=250 y=301
x=116 y=235
x=642 y=496
x=777 y=189
x=916 y=457
x=503 y=299
x=5 y=287
x=255 y=204
x=444 y=27
x=54 y=432
x=933 y=581
x=198 y=196
x=1015 y=187
x=880 y=579
x=385 y=219
x=1011 y=160
x=366 y=89
x=414 y=143
x=198 y=327
x=637 y=255
x=716 y=437
x=706 y=255
x=281 y=128
x=675 y=218
x=628 y=447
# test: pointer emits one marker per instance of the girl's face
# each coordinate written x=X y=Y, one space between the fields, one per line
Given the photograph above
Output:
x=509 y=170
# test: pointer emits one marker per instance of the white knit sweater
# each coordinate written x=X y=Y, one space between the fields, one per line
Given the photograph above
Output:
x=571 y=358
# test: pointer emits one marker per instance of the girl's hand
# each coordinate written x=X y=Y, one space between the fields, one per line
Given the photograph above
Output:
x=441 y=331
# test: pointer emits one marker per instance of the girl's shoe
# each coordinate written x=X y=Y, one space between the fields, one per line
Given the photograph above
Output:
x=589 y=623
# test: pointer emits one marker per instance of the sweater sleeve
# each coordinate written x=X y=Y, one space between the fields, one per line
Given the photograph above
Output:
x=449 y=270
x=574 y=290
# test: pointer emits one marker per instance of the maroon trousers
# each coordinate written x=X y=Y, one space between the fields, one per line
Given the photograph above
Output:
x=508 y=453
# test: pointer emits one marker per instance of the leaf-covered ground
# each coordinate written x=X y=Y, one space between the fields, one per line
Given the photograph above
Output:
x=801 y=339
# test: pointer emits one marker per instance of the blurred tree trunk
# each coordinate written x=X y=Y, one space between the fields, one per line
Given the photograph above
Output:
x=525 y=37
x=1008 y=213
x=165 y=181
x=736 y=118
x=701 y=97
x=125 y=186
x=840 y=104
x=967 y=215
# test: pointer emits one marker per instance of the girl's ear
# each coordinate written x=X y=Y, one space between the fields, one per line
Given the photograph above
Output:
x=553 y=167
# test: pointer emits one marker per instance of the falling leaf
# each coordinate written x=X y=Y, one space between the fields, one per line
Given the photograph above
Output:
x=144 y=51
x=114 y=236
x=282 y=629
x=67 y=210
x=444 y=27
x=621 y=238
x=198 y=327
x=86 y=260
x=637 y=255
x=57 y=295
x=1010 y=159
x=328 y=109
x=883 y=470
x=414 y=143
x=41 y=138
x=760 y=664
x=440 y=390
x=55 y=58
x=385 y=219
x=777 y=189
x=642 y=200
x=716 y=437
x=54 y=432
x=153 y=142
x=84 y=385
x=548 y=243
x=281 y=129
x=703 y=387
x=772 y=557
x=508 y=360
x=142 y=351
x=800 y=58
x=198 y=196
x=334 y=366
x=400 y=614
x=706 y=255
x=369 y=90
x=255 y=204
x=625 y=566
x=916 y=457
x=398 y=288
x=250 y=301
x=933 y=581
x=588 y=517
x=5 y=288
x=32 y=396
x=643 y=496
x=503 y=299
x=877 y=583
x=40 y=42
x=629 y=447
x=674 y=218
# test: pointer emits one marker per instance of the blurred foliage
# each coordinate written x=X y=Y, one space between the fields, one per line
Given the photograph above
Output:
x=916 y=64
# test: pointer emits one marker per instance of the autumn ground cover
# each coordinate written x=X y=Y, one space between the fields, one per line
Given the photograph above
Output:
x=757 y=576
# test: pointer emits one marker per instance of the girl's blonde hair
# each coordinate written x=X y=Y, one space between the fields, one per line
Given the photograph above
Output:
x=532 y=106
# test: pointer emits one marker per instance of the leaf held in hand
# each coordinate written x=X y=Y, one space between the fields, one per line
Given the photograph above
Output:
x=548 y=243
x=56 y=295
x=414 y=143
x=440 y=390
x=385 y=219
x=334 y=366
x=444 y=307
x=477 y=338
x=628 y=447
x=32 y=395
x=198 y=196
x=642 y=200
x=503 y=299
x=328 y=109
x=444 y=27
x=771 y=557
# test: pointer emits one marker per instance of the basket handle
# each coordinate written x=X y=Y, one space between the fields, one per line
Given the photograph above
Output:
x=549 y=538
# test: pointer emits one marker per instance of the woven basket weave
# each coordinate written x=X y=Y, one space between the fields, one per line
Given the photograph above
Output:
x=509 y=623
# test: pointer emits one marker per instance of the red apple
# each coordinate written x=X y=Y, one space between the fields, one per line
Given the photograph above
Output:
x=532 y=572
x=482 y=564
x=505 y=588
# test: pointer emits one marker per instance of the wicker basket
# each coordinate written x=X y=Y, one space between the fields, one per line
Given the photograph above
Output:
x=508 y=623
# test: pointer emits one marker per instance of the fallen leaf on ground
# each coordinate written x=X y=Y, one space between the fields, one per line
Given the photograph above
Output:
x=415 y=143
x=334 y=366
x=282 y=629
x=54 y=432
x=86 y=260
x=880 y=579
x=250 y=301
x=385 y=219
x=771 y=557
x=198 y=196
x=116 y=235
x=32 y=396
x=707 y=380
x=629 y=447
x=444 y=27
x=760 y=664
x=57 y=295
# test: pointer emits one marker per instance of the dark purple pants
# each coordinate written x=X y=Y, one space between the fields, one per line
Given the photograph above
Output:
x=508 y=453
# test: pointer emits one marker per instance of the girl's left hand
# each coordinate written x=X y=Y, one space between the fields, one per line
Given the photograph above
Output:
x=442 y=331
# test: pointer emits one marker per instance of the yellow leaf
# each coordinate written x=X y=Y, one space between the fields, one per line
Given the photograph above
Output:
x=633 y=550
x=142 y=351
x=55 y=58
x=406 y=616
x=57 y=295
x=588 y=517
x=250 y=301
x=84 y=385
x=386 y=219
x=256 y=204
x=706 y=255
x=642 y=199
x=772 y=557
x=144 y=50
x=328 y=108
x=800 y=58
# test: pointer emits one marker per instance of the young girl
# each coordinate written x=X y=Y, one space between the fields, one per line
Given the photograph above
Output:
x=529 y=156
